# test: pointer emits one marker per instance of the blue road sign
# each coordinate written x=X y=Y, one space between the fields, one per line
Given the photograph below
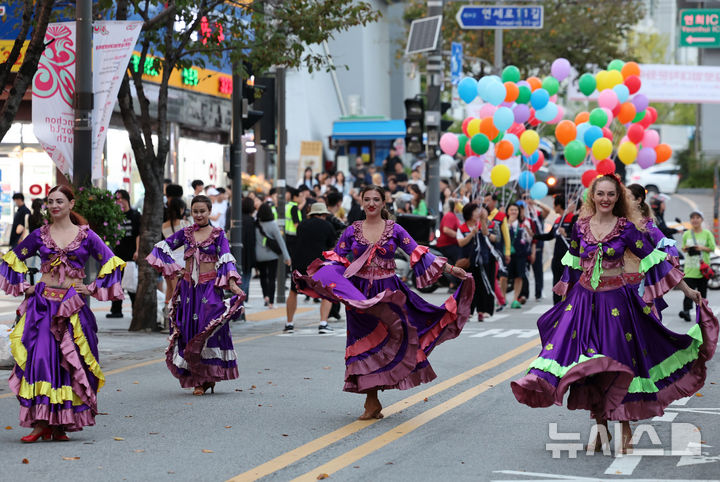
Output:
x=456 y=62
x=500 y=17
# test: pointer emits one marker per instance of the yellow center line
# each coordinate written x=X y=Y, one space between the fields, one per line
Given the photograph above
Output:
x=405 y=428
x=320 y=443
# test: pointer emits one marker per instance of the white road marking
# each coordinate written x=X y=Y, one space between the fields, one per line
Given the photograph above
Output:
x=666 y=417
x=505 y=333
x=696 y=460
x=538 y=310
x=681 y=401
x=492 y=331
x=541 y=477
x=624 y=465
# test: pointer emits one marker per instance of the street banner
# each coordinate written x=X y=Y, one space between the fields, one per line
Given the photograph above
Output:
x=311 y=154
x=688 y=84
x=53 y=87
x=113 y=44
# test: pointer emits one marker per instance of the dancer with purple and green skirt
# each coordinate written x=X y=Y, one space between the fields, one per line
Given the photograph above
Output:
x=391 y=330
x=56 y=375
x=201 y=349
x=603 y=343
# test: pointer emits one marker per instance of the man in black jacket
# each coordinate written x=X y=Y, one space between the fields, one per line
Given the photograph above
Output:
x=18 y=219
x=127 y=250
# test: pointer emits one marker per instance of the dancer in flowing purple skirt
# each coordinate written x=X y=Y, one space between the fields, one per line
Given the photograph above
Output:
x=201 y=350
x=56 y=375
x=603 y=343
x=391 y=330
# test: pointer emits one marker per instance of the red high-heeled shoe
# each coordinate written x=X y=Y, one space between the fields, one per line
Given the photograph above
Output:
x=46 y=433
x=60 y=436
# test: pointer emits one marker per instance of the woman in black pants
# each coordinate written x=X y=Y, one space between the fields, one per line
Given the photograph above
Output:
x=266 y=259
x=474 y=246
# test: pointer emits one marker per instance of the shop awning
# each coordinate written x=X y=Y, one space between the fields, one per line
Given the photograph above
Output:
x=375 y=130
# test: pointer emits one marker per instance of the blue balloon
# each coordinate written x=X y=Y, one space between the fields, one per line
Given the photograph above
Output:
x=503 y=118
x=467 y=89
x=538 y=190
x=495 y=94
x=539 y=99
x=623 y=93
x=547 y=113
x=530 y=161
x=484 y=83
x=591 y=135
x=580 y=131
x=526 y=180
x=514 y=140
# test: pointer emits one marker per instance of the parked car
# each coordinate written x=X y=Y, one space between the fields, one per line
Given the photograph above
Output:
x=658 y=178
x=564 y=177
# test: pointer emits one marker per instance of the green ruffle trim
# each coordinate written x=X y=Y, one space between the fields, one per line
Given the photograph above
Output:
x=571 y=261
x=655 y=257
x=639 y=384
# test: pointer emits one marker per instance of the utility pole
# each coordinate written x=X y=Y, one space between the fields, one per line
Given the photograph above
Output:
x=498 y=61
x=236 y=169
x=82 y=130
x=432 y=116
x=280 y=174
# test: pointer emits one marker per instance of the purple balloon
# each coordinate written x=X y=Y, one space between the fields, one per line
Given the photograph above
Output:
x=646 y=157
x=474 y=166
x=560 y=68
x=522 y=113
x=640 y=102
x=523 y=83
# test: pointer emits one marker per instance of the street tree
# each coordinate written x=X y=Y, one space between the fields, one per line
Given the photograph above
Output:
x=588 y=34
x=35 y=16
x=213 y=33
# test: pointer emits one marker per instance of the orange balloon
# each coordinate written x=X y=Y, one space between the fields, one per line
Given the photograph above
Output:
x=663 y=152
x=504 y=149
x=630 y=68
x=627 y=112
x=488 y=128
x=512 y=91
x=534 y=82
x=565 y=132
x=582 y=117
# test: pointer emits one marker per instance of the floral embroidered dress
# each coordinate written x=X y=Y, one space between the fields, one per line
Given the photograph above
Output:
x=390 y=329
x=201 y=348
x=57 y=375
x=605 y=344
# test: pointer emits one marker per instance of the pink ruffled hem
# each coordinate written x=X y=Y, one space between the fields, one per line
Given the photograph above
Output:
x=667 y=283
x=561 y=288
x=165 y=269
x=13 y=289
x=70 y=420
x=224 y=281
x=111 y=293
x=432 y=273
x=418 y=253
x=333 y=256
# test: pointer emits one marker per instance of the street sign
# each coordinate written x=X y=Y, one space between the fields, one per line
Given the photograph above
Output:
x=456 y=62
x=700 y=27
x=500 y=17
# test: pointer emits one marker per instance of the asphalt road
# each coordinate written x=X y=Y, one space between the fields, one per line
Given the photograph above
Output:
x=286 y=417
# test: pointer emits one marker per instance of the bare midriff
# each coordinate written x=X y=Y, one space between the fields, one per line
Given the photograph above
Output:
x=52 y=280
x=202 y=267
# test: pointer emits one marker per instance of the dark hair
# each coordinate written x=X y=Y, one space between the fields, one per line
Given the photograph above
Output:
x=384 y=213
x=391 y=178
x=176 y=210
x=415 y=190
x=272 y=191
x=248 y=205
x=521 y=217
x=468 y=210
x=70 y=195
x=305 y=172
x=19 y=195
x=174 y=190
x=221 y=190
x=333 y=198
x=265 y=213
x=196 y=183
x=559 y=200
x=123 y=194
x=302 y=188
x=639 y=192
x=293 y=191
x=201 y=199
x=36 y=218
x=167 y=181
x=339 y=172
x=492 y=195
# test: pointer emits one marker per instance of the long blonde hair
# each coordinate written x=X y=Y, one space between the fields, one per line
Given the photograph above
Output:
x=622 y=208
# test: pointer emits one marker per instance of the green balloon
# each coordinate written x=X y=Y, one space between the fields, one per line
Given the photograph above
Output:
x=587 y=84
x=523 y=94
x=639 y=116
x=499 y=137
x=585 y=194
x=616 y=64
x=551 y=85
x=479 y=144
x=511 y=74
x=575 y=153
x=462 y=140
x=598 y=117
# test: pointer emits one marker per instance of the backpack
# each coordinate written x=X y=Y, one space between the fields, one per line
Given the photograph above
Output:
x=269 y=242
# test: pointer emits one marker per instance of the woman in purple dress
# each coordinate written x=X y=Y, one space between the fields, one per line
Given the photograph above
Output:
x=603 y=342
x=201 y=350
x=56 y=375
x=390 y=329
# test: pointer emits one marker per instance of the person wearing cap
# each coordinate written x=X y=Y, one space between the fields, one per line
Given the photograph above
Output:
x=314 y=235
x=697 y=243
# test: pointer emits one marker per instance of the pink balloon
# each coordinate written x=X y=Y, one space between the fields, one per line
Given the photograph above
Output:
x=651 y=138
x=553 y=98
x=487 y=110
x=559 y=117
x=474 y=166
x=449 y=143
x=608 y=99
x=609 y=116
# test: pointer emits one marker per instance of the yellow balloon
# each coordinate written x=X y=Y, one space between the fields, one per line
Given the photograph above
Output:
x=603 y=81
x=602 y=148
x=500 y=175
x=473 y=127
x=529 y=141
x=615 y=78
x=627 y=152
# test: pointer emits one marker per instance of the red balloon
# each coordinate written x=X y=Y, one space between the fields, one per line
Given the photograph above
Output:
x=645 y=122
x=541 y=158
x=589 y=176
x=616 y=109
x=516 y=129
x=468 y=150
x=465 y=126
x=651 y=112
x=535 y=167
x=635 y=133
x=533 y=121
x=606 y=166
x=633 y=84
x=607 y=133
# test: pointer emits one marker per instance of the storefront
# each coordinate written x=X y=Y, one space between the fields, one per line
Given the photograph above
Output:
x=370 y=138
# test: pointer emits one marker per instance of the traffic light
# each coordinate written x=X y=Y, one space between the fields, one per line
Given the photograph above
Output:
x=445 y=123
x=266 y=104
x=250 y=93
x=414 y=125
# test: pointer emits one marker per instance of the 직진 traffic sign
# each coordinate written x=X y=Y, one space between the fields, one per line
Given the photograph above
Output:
x=500 y=17
x=700 y=27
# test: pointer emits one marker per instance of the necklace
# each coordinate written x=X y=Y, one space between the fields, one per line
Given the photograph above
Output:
x=204 y=225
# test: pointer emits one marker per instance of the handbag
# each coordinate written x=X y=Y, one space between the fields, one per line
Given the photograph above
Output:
x=705 y=268
x=269 y=242
x=130 y=277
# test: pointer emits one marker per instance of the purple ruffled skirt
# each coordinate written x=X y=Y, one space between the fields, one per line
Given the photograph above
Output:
x=57 y=375
x=614 y=356
x=201 y=348
x=391 y=330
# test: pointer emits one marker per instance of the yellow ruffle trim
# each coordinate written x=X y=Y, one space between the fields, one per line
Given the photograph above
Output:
x=17 y=349
x=14 y=262
x=56 y=395
x=111 y=265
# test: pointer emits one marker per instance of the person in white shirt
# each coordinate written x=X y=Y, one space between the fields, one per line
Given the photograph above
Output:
x=219 y=207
